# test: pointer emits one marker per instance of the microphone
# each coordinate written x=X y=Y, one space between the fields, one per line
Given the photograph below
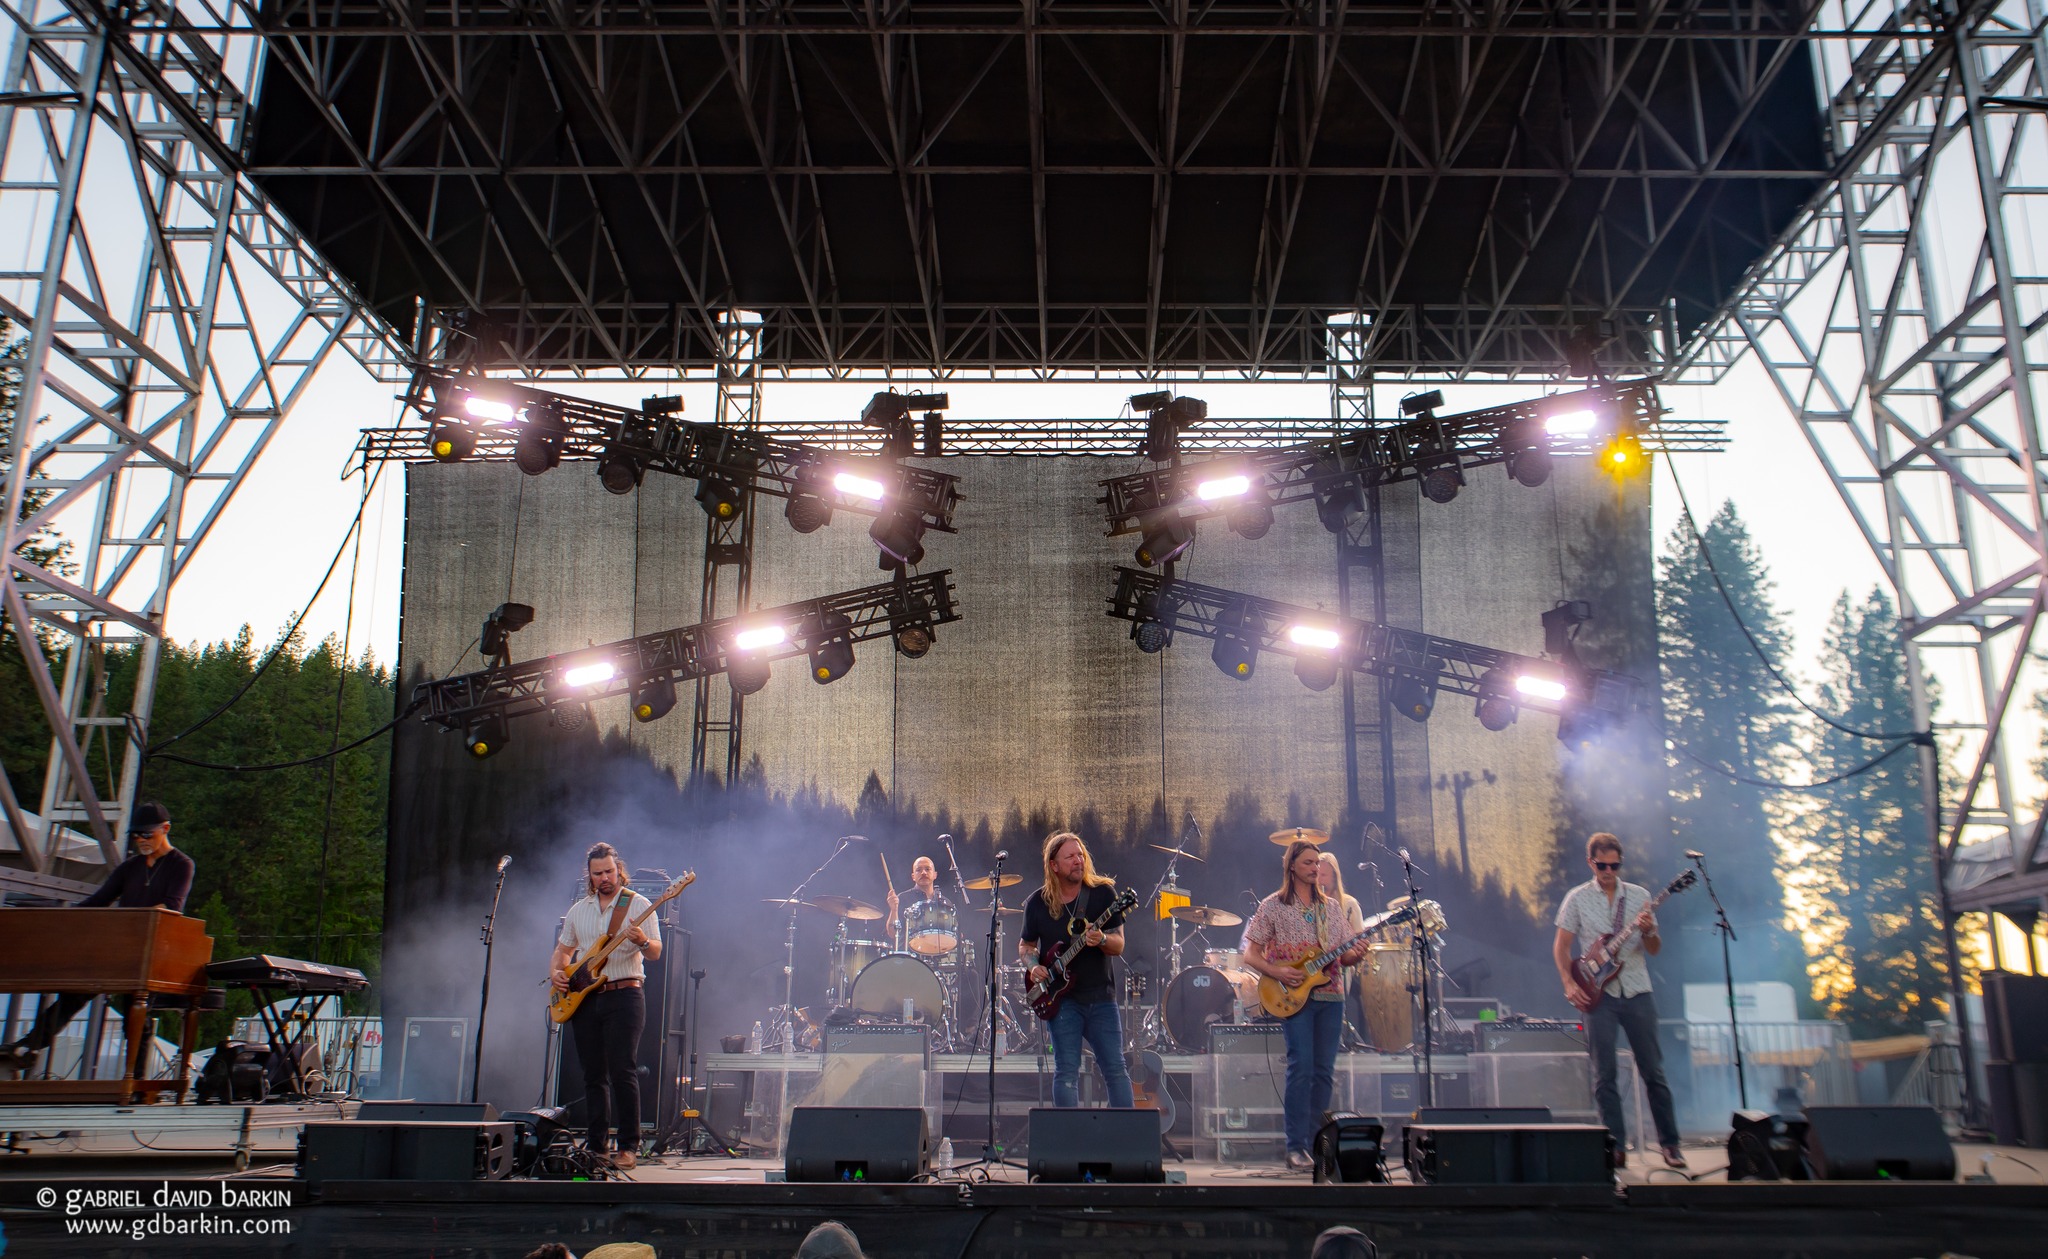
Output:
x=1404 y=854
x=945 y=839
x=504 y=861
x=1692 y=855
x=1002 y=855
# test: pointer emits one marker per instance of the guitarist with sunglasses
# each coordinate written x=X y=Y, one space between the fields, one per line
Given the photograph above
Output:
x=608 y=1024
x=1606 y=906
x=1065 y=909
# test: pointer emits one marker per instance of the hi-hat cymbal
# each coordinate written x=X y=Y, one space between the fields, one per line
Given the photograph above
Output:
x=845 y=907
x=1178 y=852
x=1306 y=834
x=1204 y=916
x=983 y=885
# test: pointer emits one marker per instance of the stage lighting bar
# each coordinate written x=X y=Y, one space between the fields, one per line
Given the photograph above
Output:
x=494 y=420
x=636 y=666
x=1408 y=657
x=1521 y=435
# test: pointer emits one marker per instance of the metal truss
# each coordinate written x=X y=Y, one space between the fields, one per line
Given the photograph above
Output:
x=727 y=582
x=1902 y=320
x=170 y=321
x=673 y=656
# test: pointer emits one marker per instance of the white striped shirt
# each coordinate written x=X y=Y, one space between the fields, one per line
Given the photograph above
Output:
x=586 y=922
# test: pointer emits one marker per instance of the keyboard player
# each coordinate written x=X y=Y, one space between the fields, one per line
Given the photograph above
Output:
x=155 y=876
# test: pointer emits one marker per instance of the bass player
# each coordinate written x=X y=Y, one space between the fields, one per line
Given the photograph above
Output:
x=1294 y=924
x=609 y=1022
x=1059 y=911
x=1600 y=907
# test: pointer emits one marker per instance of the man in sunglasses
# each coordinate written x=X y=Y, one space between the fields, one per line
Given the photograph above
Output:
x=1603 y=906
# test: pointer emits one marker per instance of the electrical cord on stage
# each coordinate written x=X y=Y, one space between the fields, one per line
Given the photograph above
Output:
x=1864 y=768
x=1700 y=544
x=302 y=761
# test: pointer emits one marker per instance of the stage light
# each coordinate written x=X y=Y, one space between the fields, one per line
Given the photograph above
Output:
x=504 y=621
x=1538 y=687
x=539 y=447
x=1422 y=403
x=653 y=698
x=747 y=674
x=1441 y=484
x=1496 y=708
x=1317 y=673
x=1623 y=456
x=759 y=636
x=900 y=536
x=721 y=500
x=1151 y=637
x=807 y=513
x=1168 y=416
x=1529 y=460
x=832 y=650
x=1338 y=503
x=858 y=486
x=1318 y=636
x=1229 y=486
x=1558 y=624
x=1253 y=519
x=485 y=736
x=620 y=473
x=449 y=440
x=1235 y=657
x=1145 y=403
x=1413 y=695
x=1577 y=422
x=589 y=674
x=914 y=641
x=1164 y=535
x=488 y=410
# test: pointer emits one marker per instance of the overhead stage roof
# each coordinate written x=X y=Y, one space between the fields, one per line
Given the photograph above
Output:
x=974 y=187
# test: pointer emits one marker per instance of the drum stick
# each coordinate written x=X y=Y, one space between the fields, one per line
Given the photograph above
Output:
x=885 y=871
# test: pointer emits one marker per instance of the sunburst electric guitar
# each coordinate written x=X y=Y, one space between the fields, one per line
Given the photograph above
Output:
x=1281 y=1000
x=583 y=976
x=1603 y=961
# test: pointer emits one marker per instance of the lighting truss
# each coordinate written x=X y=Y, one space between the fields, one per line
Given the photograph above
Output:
x=1384 y=651
x=686 y=654
x=658 y=441
x=1389 y=453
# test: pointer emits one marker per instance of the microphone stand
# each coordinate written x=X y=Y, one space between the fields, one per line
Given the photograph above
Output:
x=785 y=1031
x=991 y=1151
x=1426 y=961
x=1726 y=930
x=483 y=1004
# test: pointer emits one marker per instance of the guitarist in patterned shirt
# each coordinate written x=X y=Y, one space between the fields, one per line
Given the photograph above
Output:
x=1601 y=906
x=609 y=1022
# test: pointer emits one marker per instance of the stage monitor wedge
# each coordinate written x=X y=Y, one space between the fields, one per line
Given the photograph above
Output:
x=356 y=1150
x=1878 y=1143
x=1096 y=1146
x=857 y=1144
x=1508 y=1154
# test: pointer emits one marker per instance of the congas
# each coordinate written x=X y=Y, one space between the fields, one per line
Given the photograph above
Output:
x=931 y=928
x=849 y=959
x=1201 y=995
x=1385 y=997
x=899 y=982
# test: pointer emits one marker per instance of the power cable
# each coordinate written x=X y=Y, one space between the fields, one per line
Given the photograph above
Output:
x=304 y=760
x=1864 y=768
x=1700 y=544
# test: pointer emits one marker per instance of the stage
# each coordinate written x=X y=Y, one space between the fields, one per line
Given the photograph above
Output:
x=729 y=1208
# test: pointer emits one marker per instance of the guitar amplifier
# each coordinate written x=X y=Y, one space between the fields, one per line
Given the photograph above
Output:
x=880 y=1038
x=1245 y=1106
x=1534 y=1036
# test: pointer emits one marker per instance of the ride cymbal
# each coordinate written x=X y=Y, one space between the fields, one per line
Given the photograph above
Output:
x=1205 y=916
x=845 y=907
x=1178 y=852
x=983 y=884
x=1307 y=834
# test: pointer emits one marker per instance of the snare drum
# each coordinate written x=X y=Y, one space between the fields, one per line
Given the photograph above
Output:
x=886 y=984
x=849 y=959
x=931 y=928
x=1224 y=959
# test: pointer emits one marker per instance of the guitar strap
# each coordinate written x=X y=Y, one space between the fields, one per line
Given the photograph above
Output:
x=619 y=909
x=1614 y=928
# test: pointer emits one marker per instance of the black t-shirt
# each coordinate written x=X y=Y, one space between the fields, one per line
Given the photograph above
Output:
x=1092 y=979
x=136 y=884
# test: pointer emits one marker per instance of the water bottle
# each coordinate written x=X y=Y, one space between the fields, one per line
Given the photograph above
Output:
x=754 y=1038
x=946 y=1157
x=1002 y=1041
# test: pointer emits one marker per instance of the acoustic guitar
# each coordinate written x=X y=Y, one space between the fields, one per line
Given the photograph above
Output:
x=1601 y=963
x=583 y=977
x=1281 y=1000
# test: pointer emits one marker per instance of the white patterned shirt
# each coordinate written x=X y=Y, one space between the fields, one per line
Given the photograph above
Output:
x=585 y=923
x=1588 y=915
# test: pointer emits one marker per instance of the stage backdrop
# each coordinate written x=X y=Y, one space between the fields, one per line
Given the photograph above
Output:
x=1033 y=713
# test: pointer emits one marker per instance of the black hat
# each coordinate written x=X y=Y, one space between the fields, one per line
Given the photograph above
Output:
x=147 y=816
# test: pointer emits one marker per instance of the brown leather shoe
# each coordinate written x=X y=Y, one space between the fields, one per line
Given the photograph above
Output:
x=1675 y=1158
x=625 y=1160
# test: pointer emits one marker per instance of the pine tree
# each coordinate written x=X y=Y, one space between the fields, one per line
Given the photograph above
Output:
x=1723 y=707
x=1864 y=875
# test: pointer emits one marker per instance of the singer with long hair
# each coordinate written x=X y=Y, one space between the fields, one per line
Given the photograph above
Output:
x=609 y=1022
x=1063 y=909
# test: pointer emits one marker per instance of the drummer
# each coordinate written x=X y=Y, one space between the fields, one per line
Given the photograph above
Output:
x=927 y=903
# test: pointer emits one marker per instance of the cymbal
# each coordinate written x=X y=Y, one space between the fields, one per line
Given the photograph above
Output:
x=845 y=907
x=1178 y=852
x=1204 y=916
x=983 y=884
x=1307 y=834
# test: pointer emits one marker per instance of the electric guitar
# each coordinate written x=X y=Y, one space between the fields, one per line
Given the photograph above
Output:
x=1602 y=962
x=1045 y=995
x=583 y=977
x=1281 y=1000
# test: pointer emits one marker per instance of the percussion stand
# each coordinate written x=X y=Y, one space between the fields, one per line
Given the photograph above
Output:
x=991 y=1150
x=1426 y=962
x=785 y=1028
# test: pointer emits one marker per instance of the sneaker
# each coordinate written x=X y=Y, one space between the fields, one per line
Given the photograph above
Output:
x=1298 y=1160
x=1675 y=1158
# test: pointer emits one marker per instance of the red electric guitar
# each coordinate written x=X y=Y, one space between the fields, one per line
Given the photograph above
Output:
x=1045 y=995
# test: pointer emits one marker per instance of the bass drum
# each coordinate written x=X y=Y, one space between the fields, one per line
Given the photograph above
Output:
x=1202 y=995
x=886 y=984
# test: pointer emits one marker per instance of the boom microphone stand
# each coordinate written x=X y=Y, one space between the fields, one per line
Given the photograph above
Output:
x=483 y=1004
x=991 y=1152
x=1426 y=962
x=785 y=1031
x=1726 y=930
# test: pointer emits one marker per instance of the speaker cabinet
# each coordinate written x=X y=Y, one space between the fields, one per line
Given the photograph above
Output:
x=1763 y=1146
x=1350 y=1150
x=433 y=1061
x=1504 y=1154
x=2016 y=1016
x=2018 y=1096
x=1096 y=1146
x=1878 y=1143
x=428 y=1112
x=355 y=1150
x=856 y=1144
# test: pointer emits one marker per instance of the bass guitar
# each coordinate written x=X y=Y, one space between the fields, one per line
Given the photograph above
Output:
x=1601 y=963
x=583 y=977
x=1045 y=995
x=1281 y=1000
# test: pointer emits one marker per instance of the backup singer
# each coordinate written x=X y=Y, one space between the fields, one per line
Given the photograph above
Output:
x=1591 y=910
x=904 y=916
x=155 y=876
x=1331 y=880
x=1292 y=925
x=1073 y=894
x=610 y=1020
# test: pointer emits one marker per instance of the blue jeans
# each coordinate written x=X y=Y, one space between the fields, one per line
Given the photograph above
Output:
x=1311 y=1034
x=1637 y=1016
x=1100 y=1025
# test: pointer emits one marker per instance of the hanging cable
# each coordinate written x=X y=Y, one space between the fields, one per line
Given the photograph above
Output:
x=305 y=760
x=1700 y=544
x=1846 y=774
